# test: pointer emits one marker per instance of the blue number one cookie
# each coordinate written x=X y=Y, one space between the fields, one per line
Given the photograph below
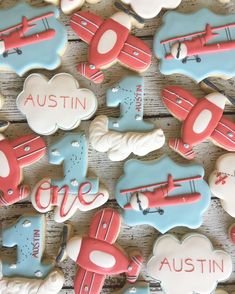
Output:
x=28 y=274
x=74 y=190
x=163 y=194
x=129 y=133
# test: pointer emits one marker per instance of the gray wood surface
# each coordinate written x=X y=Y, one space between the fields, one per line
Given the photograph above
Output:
x=216 y=221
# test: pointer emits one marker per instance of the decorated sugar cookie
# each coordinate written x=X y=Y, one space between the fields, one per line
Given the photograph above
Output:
x=69 y=6
x=129 y=133
x=97 y=256
x=202 y=119
x=58 y=103
x=14 y=155
x=192 y=44
x=137 y=288
x=188 y=266
x=162 y=194
x=31 y=38
x=29 y=274
x=74 y=190
x=151 y=8
x=109 y=42
x=222 y=182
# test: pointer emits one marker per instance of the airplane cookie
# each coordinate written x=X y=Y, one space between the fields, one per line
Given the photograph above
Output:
x=31 y=38
x=69 y=6
x=129 y=133
x=14 y=155
x=97 y=256
x=192 y=44
x=190 y=265
x=74 y=190
x=28 y=274
x=57 y=103
x=162 y=194
x=202 y=119
x=151 y=8
x=109 y=42
x=222 y=182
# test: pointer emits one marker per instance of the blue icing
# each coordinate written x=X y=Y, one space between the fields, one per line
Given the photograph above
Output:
x=29 y=237
x=45 y=54
x=129 y=94
x=178 y=24
x=137 y=288
x=141 y=173
x=72 y=151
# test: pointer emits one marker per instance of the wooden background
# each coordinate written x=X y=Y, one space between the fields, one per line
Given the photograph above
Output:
x=216 y=221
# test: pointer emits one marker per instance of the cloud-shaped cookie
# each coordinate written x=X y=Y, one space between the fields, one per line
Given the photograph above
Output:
x=54 y=104
x=222 y=182
x=188 y=266
x=151 y=8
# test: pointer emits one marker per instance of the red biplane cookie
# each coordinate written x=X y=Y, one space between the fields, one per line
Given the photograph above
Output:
x=202 y=118
x=97 y=256
x=110 y=41
x=14 y=155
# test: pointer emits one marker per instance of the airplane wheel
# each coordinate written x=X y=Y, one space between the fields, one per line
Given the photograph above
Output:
x=161 y=211
x=18 y=51
x=184 y=60
x=5 y=54
x=198 y=59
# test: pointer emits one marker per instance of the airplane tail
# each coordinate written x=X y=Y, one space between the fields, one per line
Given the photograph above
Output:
x=90 y=72
x=134 y=267
x=183 y=149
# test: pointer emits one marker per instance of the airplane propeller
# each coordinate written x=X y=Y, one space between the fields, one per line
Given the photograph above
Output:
x=123 y=8
x=214 y=87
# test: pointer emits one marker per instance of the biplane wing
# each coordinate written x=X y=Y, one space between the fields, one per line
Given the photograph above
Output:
x=29 y=22
x=224 y=134
x=105 y=226
x=135 y=54
x=85 y=25
x=192 y=35
x=178 y=101
x=87 y=282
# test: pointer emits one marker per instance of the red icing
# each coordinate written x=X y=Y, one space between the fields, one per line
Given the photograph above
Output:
x=185 y=107
x=129 y=50
x=16 y=36
x=19 y=153
x=198 y=45
x=159 y=196
x=103 y=232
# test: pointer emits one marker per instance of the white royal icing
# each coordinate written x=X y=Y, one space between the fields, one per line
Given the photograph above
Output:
x=57 y=103
x=151 y=8
x=52 y=284
x=120 y=145
x=222 y=182
x=68 y=6
x=188 y=266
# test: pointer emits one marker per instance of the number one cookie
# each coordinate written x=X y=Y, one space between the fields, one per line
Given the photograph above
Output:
x=129 y=133
x=75 y=190
x=29 y=236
